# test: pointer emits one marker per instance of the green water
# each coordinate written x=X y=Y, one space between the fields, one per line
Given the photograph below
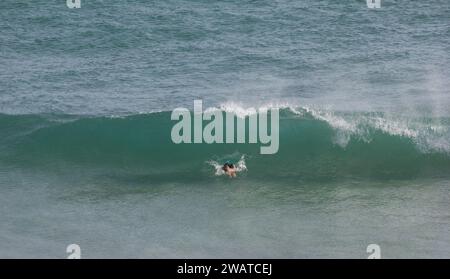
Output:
x=119 y=187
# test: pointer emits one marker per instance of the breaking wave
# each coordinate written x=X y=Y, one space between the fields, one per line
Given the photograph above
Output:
x=314 y=145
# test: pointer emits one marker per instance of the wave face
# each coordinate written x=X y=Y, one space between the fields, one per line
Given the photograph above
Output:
x=314 y=145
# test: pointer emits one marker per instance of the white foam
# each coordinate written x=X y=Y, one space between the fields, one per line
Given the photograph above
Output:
x=240 y=166
x=243 y=111
x=347 y=125
x=428 y=137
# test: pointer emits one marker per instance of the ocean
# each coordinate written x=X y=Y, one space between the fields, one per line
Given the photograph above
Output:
x=86 y=155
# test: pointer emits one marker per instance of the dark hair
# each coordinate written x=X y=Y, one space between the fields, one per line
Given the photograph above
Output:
x=230 y=165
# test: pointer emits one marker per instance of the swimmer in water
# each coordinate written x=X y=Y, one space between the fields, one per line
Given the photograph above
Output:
x=229 y=169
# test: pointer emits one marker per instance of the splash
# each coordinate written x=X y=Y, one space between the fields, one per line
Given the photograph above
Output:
x=240 y=166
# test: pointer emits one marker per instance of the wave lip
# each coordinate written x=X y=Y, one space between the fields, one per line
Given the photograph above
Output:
x=430 y=135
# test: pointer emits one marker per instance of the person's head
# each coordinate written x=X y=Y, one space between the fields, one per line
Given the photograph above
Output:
x=227 y=166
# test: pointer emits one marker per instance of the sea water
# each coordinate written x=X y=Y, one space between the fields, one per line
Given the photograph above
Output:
x=86 y=156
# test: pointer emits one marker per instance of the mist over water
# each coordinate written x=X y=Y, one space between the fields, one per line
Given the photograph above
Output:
x=86 y=155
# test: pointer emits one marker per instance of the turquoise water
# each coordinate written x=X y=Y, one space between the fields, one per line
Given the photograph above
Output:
x=86 y=155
